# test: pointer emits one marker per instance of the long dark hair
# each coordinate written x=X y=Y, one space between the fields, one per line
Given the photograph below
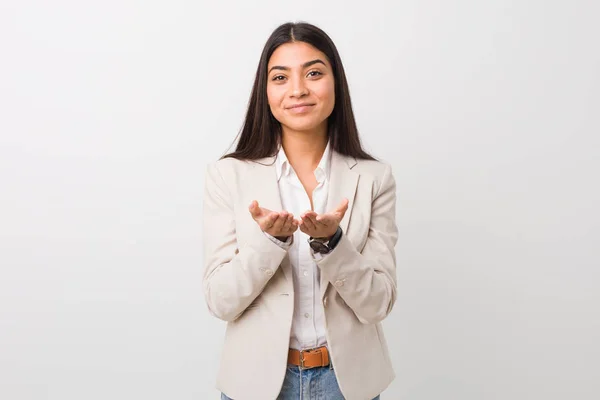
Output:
x=261 y=133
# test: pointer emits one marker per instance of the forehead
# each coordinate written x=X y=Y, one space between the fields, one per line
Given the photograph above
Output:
x=295 y=54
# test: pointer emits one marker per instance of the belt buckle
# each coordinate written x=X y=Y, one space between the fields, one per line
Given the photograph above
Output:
x=302 y=352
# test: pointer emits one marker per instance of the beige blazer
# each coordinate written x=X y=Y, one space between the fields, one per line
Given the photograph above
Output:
x=248 y=278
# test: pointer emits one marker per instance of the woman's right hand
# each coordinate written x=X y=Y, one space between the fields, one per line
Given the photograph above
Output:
x=277 y=224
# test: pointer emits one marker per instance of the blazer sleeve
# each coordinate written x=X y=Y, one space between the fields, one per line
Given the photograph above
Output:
x=366 y=280
x=233 y=275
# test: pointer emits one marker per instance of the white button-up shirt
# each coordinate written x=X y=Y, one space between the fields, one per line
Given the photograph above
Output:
x=308 y=324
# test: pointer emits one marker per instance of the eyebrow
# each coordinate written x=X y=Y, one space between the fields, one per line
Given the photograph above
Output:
x=305 y=65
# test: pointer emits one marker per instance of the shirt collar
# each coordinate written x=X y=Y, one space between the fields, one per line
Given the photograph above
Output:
x=284 y=168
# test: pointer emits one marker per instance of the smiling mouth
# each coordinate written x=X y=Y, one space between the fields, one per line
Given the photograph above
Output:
x=301 y=105
x=300 y=108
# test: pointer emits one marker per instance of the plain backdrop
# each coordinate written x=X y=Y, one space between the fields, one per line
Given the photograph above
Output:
x=489 y=112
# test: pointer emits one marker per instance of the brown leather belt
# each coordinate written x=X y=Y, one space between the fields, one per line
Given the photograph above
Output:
x=312 y=358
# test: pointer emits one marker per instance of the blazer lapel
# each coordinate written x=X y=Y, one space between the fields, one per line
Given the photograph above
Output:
x=261 y=185
x=343 y=182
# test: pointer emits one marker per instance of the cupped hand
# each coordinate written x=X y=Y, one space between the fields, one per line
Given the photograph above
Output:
x=278 y=224
x=322 y=225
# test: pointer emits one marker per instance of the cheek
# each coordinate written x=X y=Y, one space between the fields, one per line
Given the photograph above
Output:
x=327 y=95
x=273 y=96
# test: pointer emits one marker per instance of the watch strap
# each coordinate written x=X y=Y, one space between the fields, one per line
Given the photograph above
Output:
x=335 y=238
x=328 y=245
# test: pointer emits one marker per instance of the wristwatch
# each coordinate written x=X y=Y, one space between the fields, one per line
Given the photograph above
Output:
x=324 y=245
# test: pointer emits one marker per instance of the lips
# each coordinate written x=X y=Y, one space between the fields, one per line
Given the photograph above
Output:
x=300 y=108
x=301 y=105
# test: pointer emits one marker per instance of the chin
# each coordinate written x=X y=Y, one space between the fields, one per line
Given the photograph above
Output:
x=302 y=125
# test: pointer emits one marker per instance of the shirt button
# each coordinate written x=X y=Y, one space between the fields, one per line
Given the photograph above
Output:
x=305 y=273
x=325 y=302
x=307 y=315
x=269 y=272
x=339 y=283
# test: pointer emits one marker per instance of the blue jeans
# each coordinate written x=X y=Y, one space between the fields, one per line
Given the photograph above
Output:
x=308 y=384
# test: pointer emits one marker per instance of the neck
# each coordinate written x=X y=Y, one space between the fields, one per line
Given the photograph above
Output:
x=304 y=149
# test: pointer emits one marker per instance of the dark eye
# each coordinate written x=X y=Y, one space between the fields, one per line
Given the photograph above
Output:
x=278 y=78
x=314 y=73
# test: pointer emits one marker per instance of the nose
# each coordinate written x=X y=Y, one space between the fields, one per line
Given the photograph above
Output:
x=298 y=88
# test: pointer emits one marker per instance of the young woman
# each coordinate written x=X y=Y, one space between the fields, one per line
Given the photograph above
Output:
x=299 y=236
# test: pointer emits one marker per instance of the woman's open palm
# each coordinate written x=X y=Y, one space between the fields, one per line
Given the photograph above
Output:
x=277 y=224
x=322 y=225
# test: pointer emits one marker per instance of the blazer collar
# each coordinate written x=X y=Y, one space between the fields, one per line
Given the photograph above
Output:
x=343 y=180
x=283 y=167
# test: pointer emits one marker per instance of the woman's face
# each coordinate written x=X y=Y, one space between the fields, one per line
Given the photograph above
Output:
x=300 y=86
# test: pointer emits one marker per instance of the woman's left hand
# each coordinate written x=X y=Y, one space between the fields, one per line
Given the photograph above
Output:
x=324 y=225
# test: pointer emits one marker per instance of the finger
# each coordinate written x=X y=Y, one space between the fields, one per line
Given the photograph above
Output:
x=343 y=206
x=339 y=212
x=254 y=209
x=324 y=220
x=287 y=225
x=269 y=221
x=303 y=229
x=310 y=213
x=308 y=224
x=279 y=222
x=295 y=224
x=313 y=218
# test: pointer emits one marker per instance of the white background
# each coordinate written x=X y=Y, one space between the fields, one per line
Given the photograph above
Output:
x=489 y=112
